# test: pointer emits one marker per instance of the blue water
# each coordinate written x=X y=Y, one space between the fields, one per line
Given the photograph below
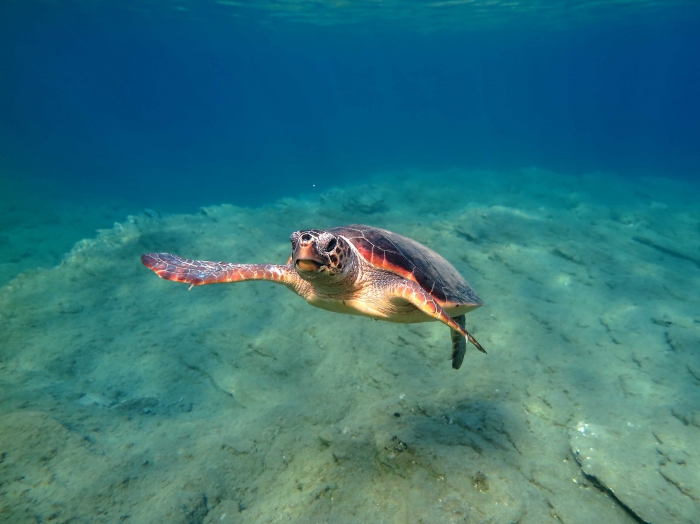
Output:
x=548 y=149
x=190 y=107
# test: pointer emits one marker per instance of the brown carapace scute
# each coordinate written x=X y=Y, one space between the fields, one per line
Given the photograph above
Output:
x=356 y=269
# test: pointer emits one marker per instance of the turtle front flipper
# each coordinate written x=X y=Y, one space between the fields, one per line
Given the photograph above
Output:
x=416 y=295
x=202 y=272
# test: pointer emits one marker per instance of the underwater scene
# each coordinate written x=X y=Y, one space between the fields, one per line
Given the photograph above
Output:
x=528 y=172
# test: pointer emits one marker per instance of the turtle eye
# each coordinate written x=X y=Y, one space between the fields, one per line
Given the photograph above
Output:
x=331 y=245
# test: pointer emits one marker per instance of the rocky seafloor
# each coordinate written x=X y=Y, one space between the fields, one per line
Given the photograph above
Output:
x=126 y=398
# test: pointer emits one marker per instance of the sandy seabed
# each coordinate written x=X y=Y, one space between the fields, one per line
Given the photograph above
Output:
x=126 y=398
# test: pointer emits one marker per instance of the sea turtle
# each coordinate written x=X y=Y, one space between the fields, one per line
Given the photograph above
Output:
x=355 y=269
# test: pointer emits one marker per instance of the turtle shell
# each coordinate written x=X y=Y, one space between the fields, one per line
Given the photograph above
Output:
x=409 y=259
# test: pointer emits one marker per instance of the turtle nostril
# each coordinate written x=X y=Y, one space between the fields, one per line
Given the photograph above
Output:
x=306 y=237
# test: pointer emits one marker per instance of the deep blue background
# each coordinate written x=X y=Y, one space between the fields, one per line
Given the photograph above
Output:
x=200 y=110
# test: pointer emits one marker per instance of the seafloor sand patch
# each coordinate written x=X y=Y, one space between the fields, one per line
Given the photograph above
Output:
x=125 y=398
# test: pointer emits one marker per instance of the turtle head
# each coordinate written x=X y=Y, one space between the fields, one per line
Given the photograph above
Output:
x=318 y=254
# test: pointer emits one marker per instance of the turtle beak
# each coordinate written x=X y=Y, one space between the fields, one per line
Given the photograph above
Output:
x=306 y=258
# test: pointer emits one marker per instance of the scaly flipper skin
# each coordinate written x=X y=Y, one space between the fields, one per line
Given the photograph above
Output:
x=416 y=295
x=202 y=272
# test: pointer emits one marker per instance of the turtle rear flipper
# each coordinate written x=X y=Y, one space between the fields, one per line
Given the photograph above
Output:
x=202 y=272
x=459 y=343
